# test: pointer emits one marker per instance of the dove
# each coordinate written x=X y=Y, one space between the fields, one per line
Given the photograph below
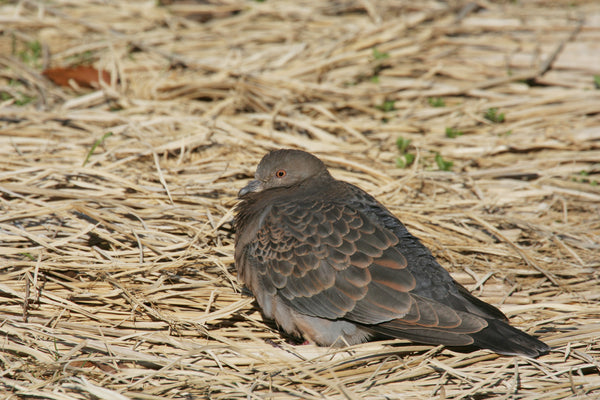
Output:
x=333 y=266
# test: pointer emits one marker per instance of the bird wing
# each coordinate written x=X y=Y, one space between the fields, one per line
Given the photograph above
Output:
x=330 y=260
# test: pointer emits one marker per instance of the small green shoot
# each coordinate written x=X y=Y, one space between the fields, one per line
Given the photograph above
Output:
x=597 y=81
x=442 y=164
x=405 y=160
x=24 y=99
x=386 y=106
x=96 y=144
x=453 y=133
x=28 y=255
x=492 y=115
x=584 y=178
x=402 y=144
x=21 y=100
x=378 y=66
x=32 y=53
x=380 y=55
x=436 y=102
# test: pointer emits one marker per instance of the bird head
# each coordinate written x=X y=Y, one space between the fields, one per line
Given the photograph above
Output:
x=284 y=168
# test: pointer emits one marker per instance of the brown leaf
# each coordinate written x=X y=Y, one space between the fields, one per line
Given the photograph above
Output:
x=83 y=75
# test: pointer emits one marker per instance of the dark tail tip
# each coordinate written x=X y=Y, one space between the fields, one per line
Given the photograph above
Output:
x=505 y=339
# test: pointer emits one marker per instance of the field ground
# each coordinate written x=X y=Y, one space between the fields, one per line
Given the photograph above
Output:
x=477 y=123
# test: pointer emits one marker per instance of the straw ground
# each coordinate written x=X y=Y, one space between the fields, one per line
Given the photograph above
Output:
x=478 y=124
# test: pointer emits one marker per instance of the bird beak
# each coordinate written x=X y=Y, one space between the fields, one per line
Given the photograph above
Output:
x=251 y=187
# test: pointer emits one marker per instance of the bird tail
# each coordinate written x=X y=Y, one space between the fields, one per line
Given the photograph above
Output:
x=497 y=336
x=505 y=339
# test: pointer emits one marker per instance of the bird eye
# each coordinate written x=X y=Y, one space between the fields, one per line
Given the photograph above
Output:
x=280 y=173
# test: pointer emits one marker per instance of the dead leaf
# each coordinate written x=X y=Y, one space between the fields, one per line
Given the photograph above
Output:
x=84 y=76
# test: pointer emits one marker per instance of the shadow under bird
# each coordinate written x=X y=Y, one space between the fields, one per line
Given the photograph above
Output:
x=332 y=265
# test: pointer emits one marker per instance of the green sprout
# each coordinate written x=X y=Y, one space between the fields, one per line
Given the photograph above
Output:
x=442 y=164
x=96 y=144
x=20 y=98
x=380 y=55
x=386 y=106
x=453 y=133
x=405 y=160
x=402 y=144
x=436 y=102
x=28 y=255
x=32 y=53
x=492 y=115
x=584 y=178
